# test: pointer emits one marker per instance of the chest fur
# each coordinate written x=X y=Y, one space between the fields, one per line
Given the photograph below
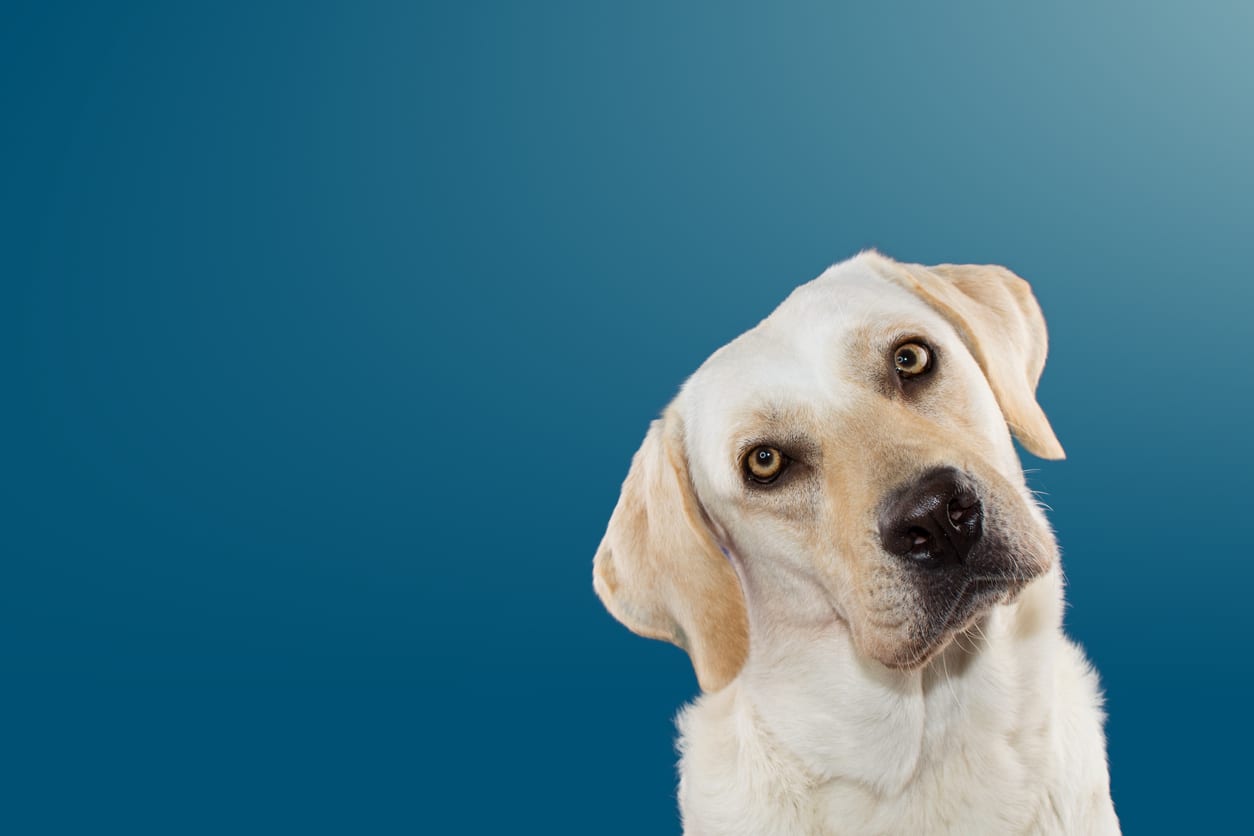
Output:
x=1005 y=738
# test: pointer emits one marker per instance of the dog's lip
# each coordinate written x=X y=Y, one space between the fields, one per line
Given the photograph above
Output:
x=978 y=594
x=990 y=590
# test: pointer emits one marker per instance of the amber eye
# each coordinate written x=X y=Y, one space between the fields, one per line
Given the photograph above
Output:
x=764 y=464
x=912 y=359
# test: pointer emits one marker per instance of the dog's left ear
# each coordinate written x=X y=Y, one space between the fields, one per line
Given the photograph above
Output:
x=1001 y=323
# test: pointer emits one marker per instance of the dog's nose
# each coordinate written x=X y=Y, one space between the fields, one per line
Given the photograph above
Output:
x=934 y=522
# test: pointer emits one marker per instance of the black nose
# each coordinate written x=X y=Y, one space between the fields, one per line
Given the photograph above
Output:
x=934 y=522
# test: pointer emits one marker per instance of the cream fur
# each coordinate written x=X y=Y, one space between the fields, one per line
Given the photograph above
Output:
x=815 y=728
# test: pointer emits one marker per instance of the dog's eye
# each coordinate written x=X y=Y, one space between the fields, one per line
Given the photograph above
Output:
x=912 y=359
x=764 y=464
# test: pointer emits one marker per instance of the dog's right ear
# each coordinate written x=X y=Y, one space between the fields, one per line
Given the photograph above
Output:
x=658 y=569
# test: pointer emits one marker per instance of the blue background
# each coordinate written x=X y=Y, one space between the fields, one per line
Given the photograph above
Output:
x=329 y=330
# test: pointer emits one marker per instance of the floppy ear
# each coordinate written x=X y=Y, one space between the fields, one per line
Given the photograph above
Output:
x=998 y=318
x=658 y=569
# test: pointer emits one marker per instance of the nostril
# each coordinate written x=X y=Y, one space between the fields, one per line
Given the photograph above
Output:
x=962 y=508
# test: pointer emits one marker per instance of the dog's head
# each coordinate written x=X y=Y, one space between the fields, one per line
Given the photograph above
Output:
x=851 y=450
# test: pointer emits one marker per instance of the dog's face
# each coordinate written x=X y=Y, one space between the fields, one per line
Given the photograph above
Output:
x=852 y=450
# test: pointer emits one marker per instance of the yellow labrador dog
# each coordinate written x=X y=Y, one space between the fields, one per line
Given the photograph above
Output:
x=831 y=520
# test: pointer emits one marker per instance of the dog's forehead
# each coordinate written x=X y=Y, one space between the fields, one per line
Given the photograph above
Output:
x=795 y=356
x=799 y=346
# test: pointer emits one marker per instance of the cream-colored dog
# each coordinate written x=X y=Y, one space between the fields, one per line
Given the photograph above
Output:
x=832 y=521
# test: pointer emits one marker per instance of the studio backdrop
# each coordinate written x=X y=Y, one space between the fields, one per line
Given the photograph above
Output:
x=329 y=331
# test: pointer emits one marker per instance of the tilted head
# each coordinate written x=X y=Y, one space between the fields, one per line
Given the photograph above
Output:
x=852 y=451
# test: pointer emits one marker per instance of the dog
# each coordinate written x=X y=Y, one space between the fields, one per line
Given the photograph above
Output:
x=832 y=521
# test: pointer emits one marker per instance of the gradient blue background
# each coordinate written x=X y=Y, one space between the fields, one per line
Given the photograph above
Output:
x=328 y=331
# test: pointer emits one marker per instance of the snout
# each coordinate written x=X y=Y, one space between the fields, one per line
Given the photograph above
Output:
x=953 y=544
x=934 y=522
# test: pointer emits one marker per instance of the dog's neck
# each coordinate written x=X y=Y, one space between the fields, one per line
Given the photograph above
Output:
x=842 y=716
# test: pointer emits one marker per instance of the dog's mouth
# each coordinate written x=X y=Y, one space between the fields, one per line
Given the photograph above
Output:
x=952 y=610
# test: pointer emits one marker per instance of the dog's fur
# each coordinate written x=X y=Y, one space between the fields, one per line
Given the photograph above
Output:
x=845 y=691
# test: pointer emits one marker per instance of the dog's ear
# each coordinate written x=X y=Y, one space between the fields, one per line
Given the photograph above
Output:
x=1001 y=323
x=658 y=569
